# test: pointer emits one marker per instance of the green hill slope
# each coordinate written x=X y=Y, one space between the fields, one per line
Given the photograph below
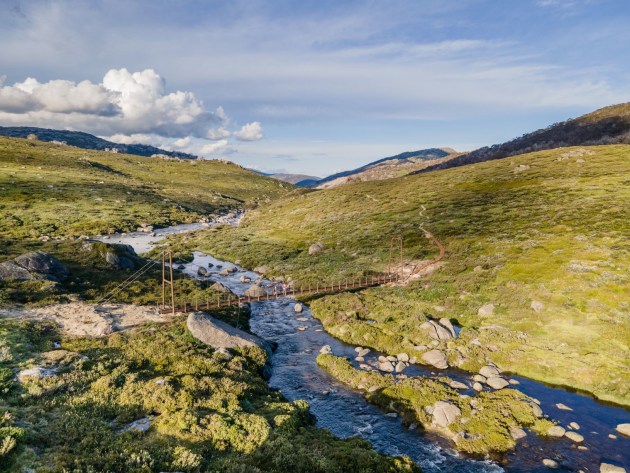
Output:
x=549 y=227
x=53 y=190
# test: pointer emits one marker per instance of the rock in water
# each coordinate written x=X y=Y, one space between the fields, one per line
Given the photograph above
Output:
x=245 y=279
x=217 y=286
x=201 y=271
x=403 y=357
x=386 y=366
x=255 y=291
x=577 y=438
x=549 y=463
x=624 y=429
x=436 y=331
x=489 y=371
x=457 y=385
x=400 y=367
x=556 y=431
x=445 y=413
x=517 y=433
x=608 y=468
x=218 y=334
x=325 y=350
x=444 y=322
x=436 y=358
x=496 y=382
x=298 y=308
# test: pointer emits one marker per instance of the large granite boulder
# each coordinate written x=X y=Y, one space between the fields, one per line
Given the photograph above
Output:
x=33 y=266
x=436 y=358
x=436 y=331
x=445 y=413
x=255 y=291
x=219 y=334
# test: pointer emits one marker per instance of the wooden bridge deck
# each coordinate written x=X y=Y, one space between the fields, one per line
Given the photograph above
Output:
x=230 y=300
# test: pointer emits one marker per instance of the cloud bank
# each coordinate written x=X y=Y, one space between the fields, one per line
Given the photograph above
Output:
x=127 y=107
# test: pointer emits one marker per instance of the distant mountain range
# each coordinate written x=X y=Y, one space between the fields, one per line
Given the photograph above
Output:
x=392 y=166
x=608 y=125
x=87 y=141
x=302 y=180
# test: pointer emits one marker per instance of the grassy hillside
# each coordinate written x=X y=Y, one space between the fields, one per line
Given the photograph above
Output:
x=53 y=190
x=550 y=227
x=208 y=411
x=608 y=125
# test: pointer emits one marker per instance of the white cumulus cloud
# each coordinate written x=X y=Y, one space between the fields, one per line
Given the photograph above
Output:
x=250 y=132
x=124 y=103
x=215 y=148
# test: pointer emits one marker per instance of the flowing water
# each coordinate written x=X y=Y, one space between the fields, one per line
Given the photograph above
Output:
x=346 y=413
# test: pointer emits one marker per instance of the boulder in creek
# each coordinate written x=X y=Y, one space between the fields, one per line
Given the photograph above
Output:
x=315 y=248
x=457 y=385
x=261 y=269
x=325 y=350
x=403 y=357
x=496 y=382
x=478 y=387
x=444 y=413
x=536 y=409
x=298 y=308
x=245 y=279
x=479 y=379
x=563 y=407
x=201 y=271
x=623 y=429
x=217 y=286
x=489 y=371
x=218 y=334
x=517 y=433
x=386 y=366
x=444 y=322
x=486 y=310
x=436 y=331
x=556 y=431
x=609 y=468
x=436 y=358
x=362 y=351
x=574 y=436
x=574 y=426
x=400 y=367
x=549 y=463
x=255 y=291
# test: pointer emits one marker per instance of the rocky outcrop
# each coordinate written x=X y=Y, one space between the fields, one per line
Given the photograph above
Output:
x=255 y=291
x=486 y=310
x=436 y=358
x=444 y=413
x=218 y=334
x=34 y=266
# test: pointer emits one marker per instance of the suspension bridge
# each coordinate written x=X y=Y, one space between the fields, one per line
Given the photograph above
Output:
x=397 y=272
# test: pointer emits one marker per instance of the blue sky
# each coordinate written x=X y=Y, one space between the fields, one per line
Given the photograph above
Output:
x=310 y=86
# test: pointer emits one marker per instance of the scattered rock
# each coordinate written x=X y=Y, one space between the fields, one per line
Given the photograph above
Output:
x=445 y=413
x=457 y=385
x=612 y=436
x=574 y=426
x=537 y=306
x=35 y=373
x=624 y=429
x=362 y=351
x=360 y=359
x=436 y=331
x=261 y=269
x=514 y=382
x=202 y=271
x=31 y=266
x=478 y=387
x=556 y=431
x=479 y=379
x=563 y=407
x=255 y=291
x=536 y=409
x=496 y=382
x=444 y=322
x=489 y=371
x=608 y=468
x=315 y=248
x=298 y=308
x=245 y=279
x=549 y=463
x=436 y=358
x=486 y=310
x=577 y=438
x=218 y=334
x=402 y=357
x=386 y=366
x=400 y=367
x=517 y=433
x=325 y=350
x=217 y=286
x=140 y=425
